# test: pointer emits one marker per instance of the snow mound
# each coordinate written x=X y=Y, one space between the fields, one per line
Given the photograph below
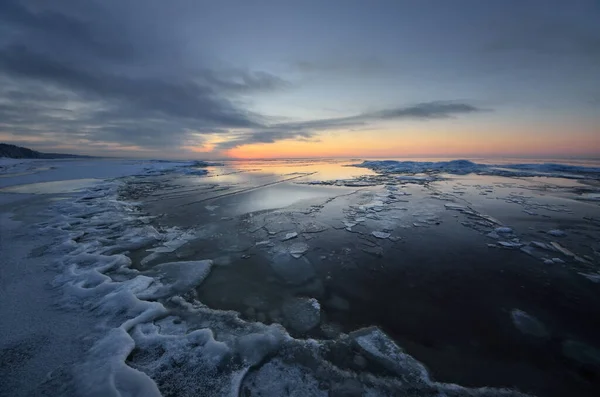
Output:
x=178 y=278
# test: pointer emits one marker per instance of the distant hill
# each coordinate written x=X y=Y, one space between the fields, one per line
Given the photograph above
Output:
x=18 y=152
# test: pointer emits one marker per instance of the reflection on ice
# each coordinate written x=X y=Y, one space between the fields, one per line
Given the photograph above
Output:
x=69 y=186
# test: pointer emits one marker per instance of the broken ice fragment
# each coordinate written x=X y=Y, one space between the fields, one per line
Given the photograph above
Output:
x=211 y=207
x=378 y=234
x=556 y=233
x=457 y=207
x=562 y=249
x=302 y=314
x=541 y=245
x=592 y=277
x=298 y=249
x=289 y=236
x=378 y=347
x=503 y=229
x=509 y=244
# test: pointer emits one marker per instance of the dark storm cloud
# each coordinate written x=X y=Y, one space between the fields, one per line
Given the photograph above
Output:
x=98 y=58
x=308 y=129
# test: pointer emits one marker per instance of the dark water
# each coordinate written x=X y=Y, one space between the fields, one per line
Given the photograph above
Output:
x=427 y=276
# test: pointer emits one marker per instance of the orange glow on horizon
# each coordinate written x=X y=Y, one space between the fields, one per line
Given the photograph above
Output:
x=425 y=143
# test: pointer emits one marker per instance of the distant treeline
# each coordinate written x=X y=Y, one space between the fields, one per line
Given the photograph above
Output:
x=18 y=152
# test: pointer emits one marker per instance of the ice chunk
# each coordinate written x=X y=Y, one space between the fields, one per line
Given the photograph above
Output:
x=509 y=244
x=591 y=276
x=561 y=249
x=301 y=314
x=298 y=249
x=557 y=260
x=543 y=246
x=528 y=324
x=493 y=235
x=289 y=236
x=377 y=346
x=211 y=207
x=293 y=271
x=381 y=235
x=556 y=233
x=276 y=378
x=253 y=348
x=503 y=229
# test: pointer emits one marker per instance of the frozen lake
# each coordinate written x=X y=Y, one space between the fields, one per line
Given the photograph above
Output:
x=320 y=277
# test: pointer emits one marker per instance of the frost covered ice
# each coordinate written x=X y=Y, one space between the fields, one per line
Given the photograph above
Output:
x=302 y=314
x=381 y=235
x=153 y=336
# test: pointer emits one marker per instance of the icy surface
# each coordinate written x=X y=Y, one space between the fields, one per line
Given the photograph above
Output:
x=302 y=314
x=152 y=333
x=556 y=233
x=380 y=348
x=379 y=234
x=289 y=236
x=177 y=278
x=463 y=167
x=298 y=249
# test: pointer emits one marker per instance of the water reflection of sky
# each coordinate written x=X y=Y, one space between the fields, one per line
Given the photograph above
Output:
x=242 y=171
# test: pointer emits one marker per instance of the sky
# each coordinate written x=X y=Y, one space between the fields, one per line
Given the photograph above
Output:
x=276 y=79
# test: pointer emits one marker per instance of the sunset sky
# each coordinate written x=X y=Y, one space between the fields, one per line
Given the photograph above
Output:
x=275 y=79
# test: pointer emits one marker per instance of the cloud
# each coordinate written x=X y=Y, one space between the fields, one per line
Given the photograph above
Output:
x=337 y=65
x=105 y=73
x=308 y=129
x=84 y=71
